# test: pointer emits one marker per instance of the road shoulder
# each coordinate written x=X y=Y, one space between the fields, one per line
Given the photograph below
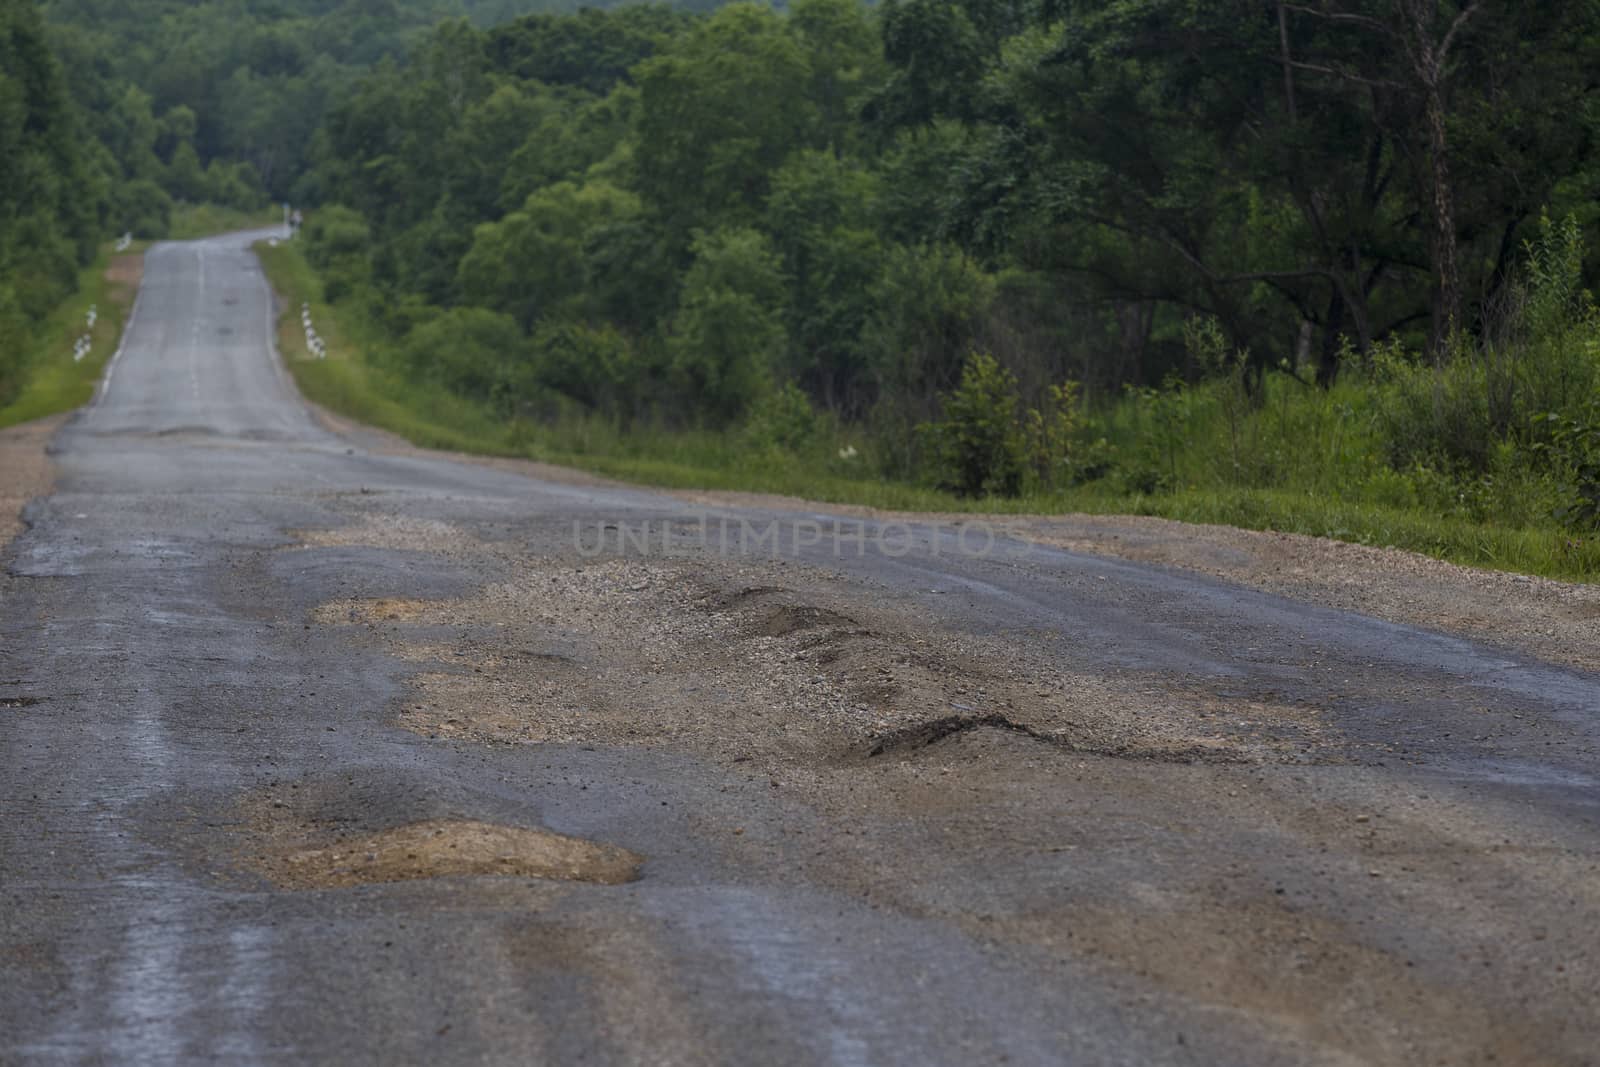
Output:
x=26 y=471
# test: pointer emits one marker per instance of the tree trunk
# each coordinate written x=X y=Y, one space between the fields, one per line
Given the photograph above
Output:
x=1332 y=339
x=1447 y=271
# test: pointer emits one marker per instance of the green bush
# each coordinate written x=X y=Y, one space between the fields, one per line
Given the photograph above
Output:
x=1517 y=383
x=782 y=421
x=979 y=448
x=142 y=208
x=596 y=366
x=469 y=351
x=338 y=242
x=1573 y=450
x=727 y=336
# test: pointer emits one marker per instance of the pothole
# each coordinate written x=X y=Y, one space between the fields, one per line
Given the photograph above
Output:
x=442 y=848
x=918 y=736
x=396 y=532
x=385 y=609
x=795 y=618
x=18 y=702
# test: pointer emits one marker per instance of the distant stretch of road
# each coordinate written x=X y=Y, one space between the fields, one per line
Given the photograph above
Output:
x=1232 y=828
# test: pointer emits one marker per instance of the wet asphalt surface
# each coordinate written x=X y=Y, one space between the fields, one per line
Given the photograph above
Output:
x=156 y=665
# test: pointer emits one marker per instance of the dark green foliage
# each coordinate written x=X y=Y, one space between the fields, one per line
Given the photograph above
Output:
x=49 y=206
x=594 y=365
x=338 y=243
x=591 y=50
x=783 y=422
x=470 y=351
x=727 y=336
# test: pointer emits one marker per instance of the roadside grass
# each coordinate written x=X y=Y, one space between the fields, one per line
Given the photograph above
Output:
x=53 y=381
x=191 y=221
x=346 y=382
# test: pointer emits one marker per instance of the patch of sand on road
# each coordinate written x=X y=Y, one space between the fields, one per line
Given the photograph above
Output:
x=1315 y=978
x=394 y=532
x=26 y=471
x=1558 y=622
x=768 y=662
x=298 y=854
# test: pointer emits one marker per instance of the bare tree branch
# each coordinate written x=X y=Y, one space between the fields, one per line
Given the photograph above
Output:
x=1350 y=17
x=1461 y=19
x=1336 y=72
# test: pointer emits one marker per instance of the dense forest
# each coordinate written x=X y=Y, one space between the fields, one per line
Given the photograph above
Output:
x=222 y=101
x=995 y=246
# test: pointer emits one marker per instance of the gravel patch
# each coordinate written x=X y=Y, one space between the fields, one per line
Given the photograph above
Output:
x=26 y=471
x=778 y=664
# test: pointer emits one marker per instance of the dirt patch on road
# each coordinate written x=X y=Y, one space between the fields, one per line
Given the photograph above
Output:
x=443 y=848
x=394 y=532
x=1312 y=976
x=1555 y=621
x=731 y=657
x=26 y=471
x=296 y=847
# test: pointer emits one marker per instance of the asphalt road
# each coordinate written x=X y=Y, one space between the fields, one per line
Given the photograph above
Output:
x=1419 y=881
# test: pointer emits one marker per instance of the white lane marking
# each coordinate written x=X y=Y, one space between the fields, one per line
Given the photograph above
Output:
x=194 y=326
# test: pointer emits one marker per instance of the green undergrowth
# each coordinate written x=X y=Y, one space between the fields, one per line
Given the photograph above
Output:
x=192 y=221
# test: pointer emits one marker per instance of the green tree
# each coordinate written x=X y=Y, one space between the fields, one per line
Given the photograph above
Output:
x=472 y=352
x=531 y=264
x=819 y=215
x=727 y=335
x=720 y=109
x=979 y=446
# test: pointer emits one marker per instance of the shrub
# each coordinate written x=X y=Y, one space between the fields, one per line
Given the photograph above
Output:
x=1573 y=450
x=978 y=447
x=142 y=208
x=728 y=335
x=469 y=351
x=1049 y=433
x=782 y=421
x=337 y=243
x=595 y=366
